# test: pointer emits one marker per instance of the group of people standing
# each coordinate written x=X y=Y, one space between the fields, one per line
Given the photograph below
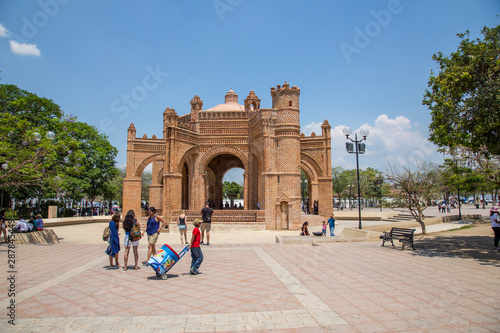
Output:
x=306 y=207
x=444 y=207
x=154 y=226
x=152 y=230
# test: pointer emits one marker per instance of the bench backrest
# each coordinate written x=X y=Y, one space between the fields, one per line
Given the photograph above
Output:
x=401 y=231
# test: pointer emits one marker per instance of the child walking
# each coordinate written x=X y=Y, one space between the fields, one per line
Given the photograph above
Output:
x=194 y=246
x=324 y=228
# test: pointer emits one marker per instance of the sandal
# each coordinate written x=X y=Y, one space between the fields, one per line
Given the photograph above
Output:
x=125 y=268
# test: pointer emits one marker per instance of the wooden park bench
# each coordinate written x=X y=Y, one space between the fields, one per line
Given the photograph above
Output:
x=404 y=235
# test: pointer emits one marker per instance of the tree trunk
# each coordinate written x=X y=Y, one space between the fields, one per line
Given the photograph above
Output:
x=422 y=225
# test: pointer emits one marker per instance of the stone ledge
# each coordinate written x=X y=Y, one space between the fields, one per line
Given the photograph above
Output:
x=46 y=236
x=295 y=240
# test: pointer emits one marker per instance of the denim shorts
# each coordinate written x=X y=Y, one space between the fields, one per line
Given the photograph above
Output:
x=182 y=227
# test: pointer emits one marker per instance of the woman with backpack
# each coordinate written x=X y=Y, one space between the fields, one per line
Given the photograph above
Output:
x=132 y=230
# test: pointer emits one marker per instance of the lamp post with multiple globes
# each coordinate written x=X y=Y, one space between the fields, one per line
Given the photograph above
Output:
x=5 y=167
x=360 y=149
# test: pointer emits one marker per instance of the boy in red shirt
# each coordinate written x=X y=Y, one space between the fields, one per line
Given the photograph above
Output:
x=194 y=246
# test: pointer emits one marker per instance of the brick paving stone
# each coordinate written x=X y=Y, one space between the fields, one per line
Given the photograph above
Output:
x=240 y=291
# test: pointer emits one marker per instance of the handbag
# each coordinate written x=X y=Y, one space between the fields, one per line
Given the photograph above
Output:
x=135 y=233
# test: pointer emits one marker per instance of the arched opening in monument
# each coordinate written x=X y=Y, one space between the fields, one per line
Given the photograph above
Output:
x=215 y=172
x=233 y=189
x=150 y=190
x=185 y=187
x=305 y=190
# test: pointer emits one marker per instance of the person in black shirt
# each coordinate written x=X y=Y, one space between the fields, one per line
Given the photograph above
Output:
x=206 y=213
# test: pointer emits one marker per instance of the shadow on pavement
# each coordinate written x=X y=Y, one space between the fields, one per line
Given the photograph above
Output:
x=479 y=248
x=169 y=276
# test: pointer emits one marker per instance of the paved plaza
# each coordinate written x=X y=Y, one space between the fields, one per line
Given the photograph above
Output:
x=251 y=286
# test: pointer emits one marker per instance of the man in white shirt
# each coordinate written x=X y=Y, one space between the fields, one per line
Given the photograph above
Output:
x=21 y=226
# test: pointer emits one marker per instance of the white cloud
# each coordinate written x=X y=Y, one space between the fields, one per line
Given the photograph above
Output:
x=390 y=141
x=3 y=31
x=24 y=49
x=312 y=127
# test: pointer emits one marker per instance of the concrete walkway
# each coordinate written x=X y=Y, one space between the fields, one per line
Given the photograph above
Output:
x=248 y=284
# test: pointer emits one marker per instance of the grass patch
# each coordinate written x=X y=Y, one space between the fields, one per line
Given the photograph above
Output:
x=462 y=228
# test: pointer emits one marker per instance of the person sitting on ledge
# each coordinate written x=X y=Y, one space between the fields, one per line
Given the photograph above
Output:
x=305 y=230
x=39 y=222
x=32 y=224
x=21 y=226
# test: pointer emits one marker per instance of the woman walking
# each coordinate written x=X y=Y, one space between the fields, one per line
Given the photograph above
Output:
x=130 y=222
x=114 y=240
x=495 y=225
x=182 y=227
x=153 y=230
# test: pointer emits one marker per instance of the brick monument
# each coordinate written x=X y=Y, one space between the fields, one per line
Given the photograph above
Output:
x=198 y=148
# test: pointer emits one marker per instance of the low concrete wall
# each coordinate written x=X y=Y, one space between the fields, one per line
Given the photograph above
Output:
x=75 y=220
x=173 y=227
x=366 y=216
x=357 y=234
x=415 y=224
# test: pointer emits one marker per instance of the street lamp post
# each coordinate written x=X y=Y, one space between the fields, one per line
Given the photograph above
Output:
x=458 y=194
x=360 y=149
x=5 y=167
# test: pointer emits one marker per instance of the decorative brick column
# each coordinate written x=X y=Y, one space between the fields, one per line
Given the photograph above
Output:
x=155 y=195
x=132 y=194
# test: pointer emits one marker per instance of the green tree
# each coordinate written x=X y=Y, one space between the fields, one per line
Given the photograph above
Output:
x=117 y=183
x=340 y=179
x=463 y=96
x=29 y=148
x=147 y=180
x=232 y=189
x=98 y=165
x=304 y=186
x=472 y=172
x=416 y=187
x=48 y=152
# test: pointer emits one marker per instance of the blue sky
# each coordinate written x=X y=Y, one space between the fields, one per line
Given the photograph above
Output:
x=358 y=63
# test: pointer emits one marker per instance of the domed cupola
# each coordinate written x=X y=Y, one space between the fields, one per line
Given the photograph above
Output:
x=231 y=97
